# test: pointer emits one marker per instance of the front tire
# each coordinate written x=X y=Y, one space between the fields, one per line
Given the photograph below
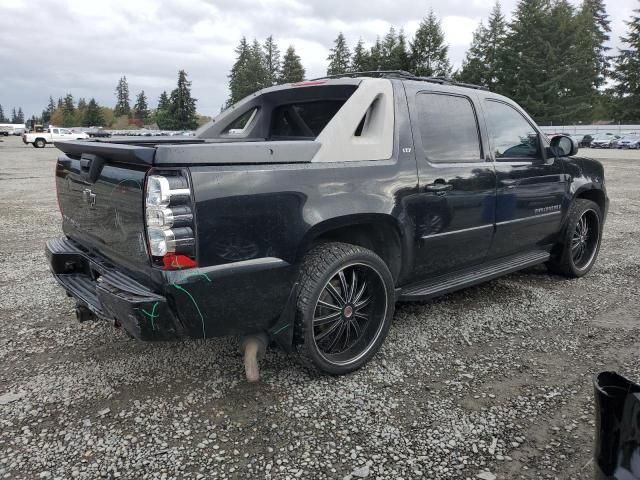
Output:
x=344 y=308
x=580 y=244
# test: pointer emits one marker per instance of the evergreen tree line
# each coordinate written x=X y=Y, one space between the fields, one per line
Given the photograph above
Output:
x=175 y=111
x=16 y=116
x=551 y=58
x=259 y=66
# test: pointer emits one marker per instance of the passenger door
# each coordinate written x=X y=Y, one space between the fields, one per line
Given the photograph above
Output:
x=454 y=209
x=531 y=187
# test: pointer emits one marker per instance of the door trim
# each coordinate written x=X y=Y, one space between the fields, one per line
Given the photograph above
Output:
x=530 y=218
x=464 y=230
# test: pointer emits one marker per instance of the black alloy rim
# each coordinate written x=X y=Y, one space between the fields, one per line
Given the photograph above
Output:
x=584 y=241
x=349 y=314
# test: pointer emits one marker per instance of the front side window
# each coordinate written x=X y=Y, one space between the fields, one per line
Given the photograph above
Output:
x=512 y=135
x=448 y=128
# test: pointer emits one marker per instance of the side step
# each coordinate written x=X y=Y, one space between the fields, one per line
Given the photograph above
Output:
x=434 y=287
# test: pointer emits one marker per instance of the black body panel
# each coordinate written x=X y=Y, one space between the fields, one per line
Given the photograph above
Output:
x=258 y=206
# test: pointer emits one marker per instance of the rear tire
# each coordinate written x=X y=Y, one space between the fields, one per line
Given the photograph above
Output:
x=580 y=243
x=39 y=143
x=345 y=307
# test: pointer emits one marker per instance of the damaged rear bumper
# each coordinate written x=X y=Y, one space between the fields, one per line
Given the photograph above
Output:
x=110 y=294
x=239 y=298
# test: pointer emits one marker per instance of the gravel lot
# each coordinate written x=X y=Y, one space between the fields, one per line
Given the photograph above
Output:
x=493 y=381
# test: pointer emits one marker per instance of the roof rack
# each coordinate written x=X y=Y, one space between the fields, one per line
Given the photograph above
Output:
x=404 y=75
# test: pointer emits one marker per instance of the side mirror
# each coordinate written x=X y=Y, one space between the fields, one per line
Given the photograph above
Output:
x=564 y=146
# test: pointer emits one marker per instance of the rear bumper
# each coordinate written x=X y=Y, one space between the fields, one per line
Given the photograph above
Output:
x=233 y=299
x=109 y=294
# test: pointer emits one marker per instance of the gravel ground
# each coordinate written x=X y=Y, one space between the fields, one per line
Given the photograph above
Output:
x=490 y=382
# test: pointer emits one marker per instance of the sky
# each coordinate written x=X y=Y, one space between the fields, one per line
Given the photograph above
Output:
x=83 y=47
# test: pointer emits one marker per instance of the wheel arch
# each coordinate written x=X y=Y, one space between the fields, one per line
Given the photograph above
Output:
x=377 y=232
x=593 y=193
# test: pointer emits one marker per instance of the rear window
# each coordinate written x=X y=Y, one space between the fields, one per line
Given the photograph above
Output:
x=448 y=128
x=302 y=120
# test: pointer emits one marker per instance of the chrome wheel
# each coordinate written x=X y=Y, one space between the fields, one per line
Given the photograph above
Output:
x=349 y=314
x=585 y=238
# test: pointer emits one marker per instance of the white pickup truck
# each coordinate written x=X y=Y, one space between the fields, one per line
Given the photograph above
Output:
x=53 y=134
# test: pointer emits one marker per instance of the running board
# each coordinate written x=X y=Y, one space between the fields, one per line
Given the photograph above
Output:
x=434 y=287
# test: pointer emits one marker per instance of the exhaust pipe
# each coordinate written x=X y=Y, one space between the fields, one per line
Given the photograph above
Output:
x=253 y=347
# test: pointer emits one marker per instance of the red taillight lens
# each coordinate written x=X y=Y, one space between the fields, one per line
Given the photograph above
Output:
x=177 y=262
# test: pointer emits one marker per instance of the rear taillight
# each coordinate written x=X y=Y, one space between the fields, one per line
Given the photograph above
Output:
x=170 y=231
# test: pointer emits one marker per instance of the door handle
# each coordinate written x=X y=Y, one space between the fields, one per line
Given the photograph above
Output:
x=509 y=182
x=438 y=187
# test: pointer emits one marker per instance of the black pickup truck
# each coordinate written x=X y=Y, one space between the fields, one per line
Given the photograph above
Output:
x=306 y=211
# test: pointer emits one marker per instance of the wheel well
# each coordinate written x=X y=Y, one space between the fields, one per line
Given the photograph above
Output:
x=379 y=238
x=595 y=195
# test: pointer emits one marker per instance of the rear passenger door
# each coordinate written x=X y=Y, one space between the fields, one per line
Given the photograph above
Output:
x=454 y=208
x=531 y=188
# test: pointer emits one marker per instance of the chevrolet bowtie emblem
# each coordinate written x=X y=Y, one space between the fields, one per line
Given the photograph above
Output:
x=89 y=197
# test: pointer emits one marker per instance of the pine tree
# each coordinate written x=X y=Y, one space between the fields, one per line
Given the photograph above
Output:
x=527 y=75
x=360 y=59
x=182 y=108
x=483 y=62
x=48 y=112
x=2 y=119
x=375 y=56
x=292 y=70
x=599 y=26
x=242 y=81
x=122 y=98
x=429 y=53
x=627 y=72
x=400 y=53
x=93 y=115
x=272 y=60
x=389 y=43
x=68 y=111
x=258 y=77
x=340 y=57
x=163 y=101
x=14 y=115
x=20 y=115
x=162 y=115
x=59 y=103
x=141 y=108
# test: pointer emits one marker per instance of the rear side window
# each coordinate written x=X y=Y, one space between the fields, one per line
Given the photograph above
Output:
x=448 y=128
x=512 y=135
x=302 y=120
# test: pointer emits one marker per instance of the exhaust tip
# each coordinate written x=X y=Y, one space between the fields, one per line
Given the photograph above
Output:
x=253 y=347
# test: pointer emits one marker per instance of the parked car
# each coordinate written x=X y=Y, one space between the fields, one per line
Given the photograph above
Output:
x=304 y=212
x=53 y=134
x=4 y=131
x=98 y=133
x=629 y=141
x=586 y=140
x=604 y=141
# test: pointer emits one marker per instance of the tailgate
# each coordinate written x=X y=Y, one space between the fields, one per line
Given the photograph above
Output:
x=100 y=193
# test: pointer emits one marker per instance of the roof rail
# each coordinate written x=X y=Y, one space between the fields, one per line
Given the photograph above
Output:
x=404 y=75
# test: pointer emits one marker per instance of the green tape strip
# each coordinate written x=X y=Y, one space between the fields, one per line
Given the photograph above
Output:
x=152 y=315
x=204 y=333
